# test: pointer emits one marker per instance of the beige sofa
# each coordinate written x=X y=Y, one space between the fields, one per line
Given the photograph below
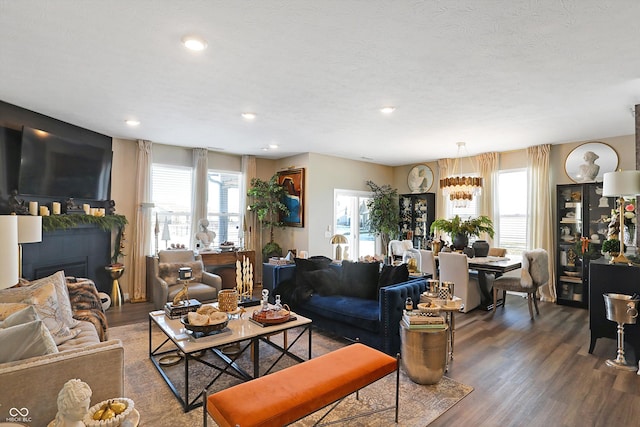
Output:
x=30 y=387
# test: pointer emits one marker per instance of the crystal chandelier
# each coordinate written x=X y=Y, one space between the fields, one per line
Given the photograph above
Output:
x=459 y=188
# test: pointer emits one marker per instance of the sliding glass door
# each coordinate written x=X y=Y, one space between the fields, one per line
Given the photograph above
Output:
x=351 y=219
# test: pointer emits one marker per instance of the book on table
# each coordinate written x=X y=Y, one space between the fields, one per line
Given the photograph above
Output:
x=417 y=321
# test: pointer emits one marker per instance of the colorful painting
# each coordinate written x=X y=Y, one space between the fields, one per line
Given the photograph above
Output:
x=293 y=182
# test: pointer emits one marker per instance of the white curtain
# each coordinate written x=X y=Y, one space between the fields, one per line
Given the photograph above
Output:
x=141 y=245
x=445 y=169
x=540 y=215
x=249 y=220
x=488 y=164
x=199 y=196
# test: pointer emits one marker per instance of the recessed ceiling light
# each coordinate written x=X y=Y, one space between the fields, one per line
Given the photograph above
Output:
x=194 y=43
x=132 y=122
x=387 y=110
x=248 y=116
x=273 y=146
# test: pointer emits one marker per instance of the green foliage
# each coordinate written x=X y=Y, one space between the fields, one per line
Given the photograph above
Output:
x=468 y=228
x=384 y=212
x=61 y=222
x=611 y=245
x=266 y=203
x=271 y=249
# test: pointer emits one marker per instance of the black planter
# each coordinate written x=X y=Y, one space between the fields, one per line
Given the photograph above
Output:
x=460 y=241
x=480 y=248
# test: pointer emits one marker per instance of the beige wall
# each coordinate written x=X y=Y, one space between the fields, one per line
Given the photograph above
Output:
x=324 y=174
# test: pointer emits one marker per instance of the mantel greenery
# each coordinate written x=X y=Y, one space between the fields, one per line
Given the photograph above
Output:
x=61 y=222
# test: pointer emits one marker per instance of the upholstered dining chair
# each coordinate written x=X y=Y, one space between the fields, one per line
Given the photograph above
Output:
x=429 y=263
x=534 y=273
x=454 y=267
x=398 y=247
x=499 y=252
x=204 y=287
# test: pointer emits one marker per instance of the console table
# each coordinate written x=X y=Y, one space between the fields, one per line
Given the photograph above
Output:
x=224 y=265
x=611 y=278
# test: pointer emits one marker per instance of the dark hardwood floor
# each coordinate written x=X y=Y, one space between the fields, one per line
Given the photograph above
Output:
x=524 y=373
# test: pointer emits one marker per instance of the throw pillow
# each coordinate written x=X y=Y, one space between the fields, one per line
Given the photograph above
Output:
x=324 y=282
x=58 y=280
x=391 y=275
x=8 y=308
x=309 y=264
x=360 y=279
x=168 y=271
x=26 y=315
x=45 y=301
x=25 y=340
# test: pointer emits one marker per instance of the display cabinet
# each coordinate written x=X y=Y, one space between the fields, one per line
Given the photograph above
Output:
x=582 y=212
x=417 y=212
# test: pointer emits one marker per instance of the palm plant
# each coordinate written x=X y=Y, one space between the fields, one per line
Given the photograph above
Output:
x=460 y=230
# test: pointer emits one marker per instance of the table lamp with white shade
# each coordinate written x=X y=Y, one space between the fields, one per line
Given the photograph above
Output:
x=29 y=231
x=621 y=184
x=8 y=251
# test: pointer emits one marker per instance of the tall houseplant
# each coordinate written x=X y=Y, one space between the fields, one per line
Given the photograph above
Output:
x=460 y=230
x=384 y=212
x=266 y=203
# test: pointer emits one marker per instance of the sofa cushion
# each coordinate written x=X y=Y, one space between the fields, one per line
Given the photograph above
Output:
x=168 y=271
x=358 y=312
x=391 y=275
x=8 y=308
x=26 y=315
x=360 y=279
x=304 y=283
x=324 y=282
x=58 y=280
x=26 y=340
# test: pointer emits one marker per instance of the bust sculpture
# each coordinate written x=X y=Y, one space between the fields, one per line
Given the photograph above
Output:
x=73 y=404
x=589 y=170
x=205 y=236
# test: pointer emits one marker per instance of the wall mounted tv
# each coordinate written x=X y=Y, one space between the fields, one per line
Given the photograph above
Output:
x=54 y=166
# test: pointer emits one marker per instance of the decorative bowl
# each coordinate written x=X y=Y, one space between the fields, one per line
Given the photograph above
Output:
x=205 y=329
x=429 y=309
x=271 y=317
x=113 y=421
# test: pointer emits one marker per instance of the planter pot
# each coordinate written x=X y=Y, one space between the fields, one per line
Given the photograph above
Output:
x=480 y=248
x=460 y=241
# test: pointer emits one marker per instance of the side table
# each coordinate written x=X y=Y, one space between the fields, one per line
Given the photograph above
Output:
x=424 y=353
x=449 y=317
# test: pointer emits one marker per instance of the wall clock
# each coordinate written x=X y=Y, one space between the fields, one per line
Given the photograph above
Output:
x=420 y=179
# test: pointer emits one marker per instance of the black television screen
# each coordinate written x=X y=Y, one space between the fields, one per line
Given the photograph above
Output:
x=54 y=166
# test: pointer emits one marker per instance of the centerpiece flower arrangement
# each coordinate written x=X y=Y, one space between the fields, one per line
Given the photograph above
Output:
x=460 y=230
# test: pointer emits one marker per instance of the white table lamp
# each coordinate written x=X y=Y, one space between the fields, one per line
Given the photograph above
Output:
x=29 y=231
x=8 y=251
x=621 y=184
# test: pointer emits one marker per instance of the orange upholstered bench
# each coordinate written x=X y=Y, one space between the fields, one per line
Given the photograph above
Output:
x=288 y=395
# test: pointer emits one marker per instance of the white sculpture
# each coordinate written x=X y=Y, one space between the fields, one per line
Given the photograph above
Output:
x=589 y=170
x=73 y=404
x=205 y=236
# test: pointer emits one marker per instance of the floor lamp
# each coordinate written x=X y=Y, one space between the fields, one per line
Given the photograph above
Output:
x=621 y=184
x=8 y=253
x=29 y=231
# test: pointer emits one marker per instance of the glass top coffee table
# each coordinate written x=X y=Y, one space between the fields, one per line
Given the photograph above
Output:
x=240 y=331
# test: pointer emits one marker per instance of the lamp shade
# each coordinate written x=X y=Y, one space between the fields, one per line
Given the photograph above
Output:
x=338 y=239
x=8 y=251
x=29 y=229
x=621 y=183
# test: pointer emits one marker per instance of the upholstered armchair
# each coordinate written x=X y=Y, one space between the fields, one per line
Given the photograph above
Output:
x=204 y=287
x=454 y=267
x=534 y=273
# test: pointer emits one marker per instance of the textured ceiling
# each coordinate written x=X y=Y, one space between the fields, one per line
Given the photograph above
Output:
x=498 y=74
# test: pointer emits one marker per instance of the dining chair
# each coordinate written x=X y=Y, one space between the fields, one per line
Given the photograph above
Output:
x=429 y=263
x=454 y=267
x=500 y=252
x=533 y=274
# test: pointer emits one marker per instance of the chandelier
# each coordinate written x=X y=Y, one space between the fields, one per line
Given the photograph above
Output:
x=459 y=188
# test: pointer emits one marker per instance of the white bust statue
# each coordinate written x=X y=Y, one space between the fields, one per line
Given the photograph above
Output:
x=73 y=404
x=204 y=235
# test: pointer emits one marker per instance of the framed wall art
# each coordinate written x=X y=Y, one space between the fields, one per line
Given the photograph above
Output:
x=589 y=162
x=293 y=182
x=420 y=179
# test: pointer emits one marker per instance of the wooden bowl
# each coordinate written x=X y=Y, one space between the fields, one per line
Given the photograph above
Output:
x=271 y=317
x=205 y=329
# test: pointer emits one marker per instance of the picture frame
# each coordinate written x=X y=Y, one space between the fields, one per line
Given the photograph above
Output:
x=293 y=181
x=420 y=179
x=588 y=162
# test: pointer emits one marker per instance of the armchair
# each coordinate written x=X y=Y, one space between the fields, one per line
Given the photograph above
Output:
x=204 y=287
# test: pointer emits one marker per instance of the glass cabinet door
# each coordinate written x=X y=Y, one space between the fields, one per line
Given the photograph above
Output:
x=570 y=223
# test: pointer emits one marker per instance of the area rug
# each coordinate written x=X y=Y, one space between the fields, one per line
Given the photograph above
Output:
x=158 y=407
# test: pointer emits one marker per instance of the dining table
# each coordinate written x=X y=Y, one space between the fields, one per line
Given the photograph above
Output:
x=488 y=269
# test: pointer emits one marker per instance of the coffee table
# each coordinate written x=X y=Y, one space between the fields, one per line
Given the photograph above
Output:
x=241 y=331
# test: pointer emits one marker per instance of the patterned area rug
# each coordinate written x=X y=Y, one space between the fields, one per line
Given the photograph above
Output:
x=158 y=407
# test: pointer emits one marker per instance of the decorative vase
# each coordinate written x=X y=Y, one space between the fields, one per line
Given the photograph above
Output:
x=480 y=248
x=460 y=241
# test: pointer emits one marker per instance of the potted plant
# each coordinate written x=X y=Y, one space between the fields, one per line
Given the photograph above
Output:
x=460 y=230
x=384 y=212
x=611 y=246
x=266 y=197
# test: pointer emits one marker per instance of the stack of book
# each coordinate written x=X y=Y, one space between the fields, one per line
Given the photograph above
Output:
x=417 y=320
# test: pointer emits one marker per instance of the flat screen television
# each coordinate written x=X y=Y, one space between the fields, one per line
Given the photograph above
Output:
x=54 y=166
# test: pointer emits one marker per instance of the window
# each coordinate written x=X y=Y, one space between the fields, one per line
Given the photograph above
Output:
x=351 y=219
x=223 y=208
x=512 y=210
x=171 y=194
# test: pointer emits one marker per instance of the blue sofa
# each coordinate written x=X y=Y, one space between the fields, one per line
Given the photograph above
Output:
x=373 y=322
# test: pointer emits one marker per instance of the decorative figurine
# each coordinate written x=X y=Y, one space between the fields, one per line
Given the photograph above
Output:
x=205 y=236
x=73 y=404
x=17 y=206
